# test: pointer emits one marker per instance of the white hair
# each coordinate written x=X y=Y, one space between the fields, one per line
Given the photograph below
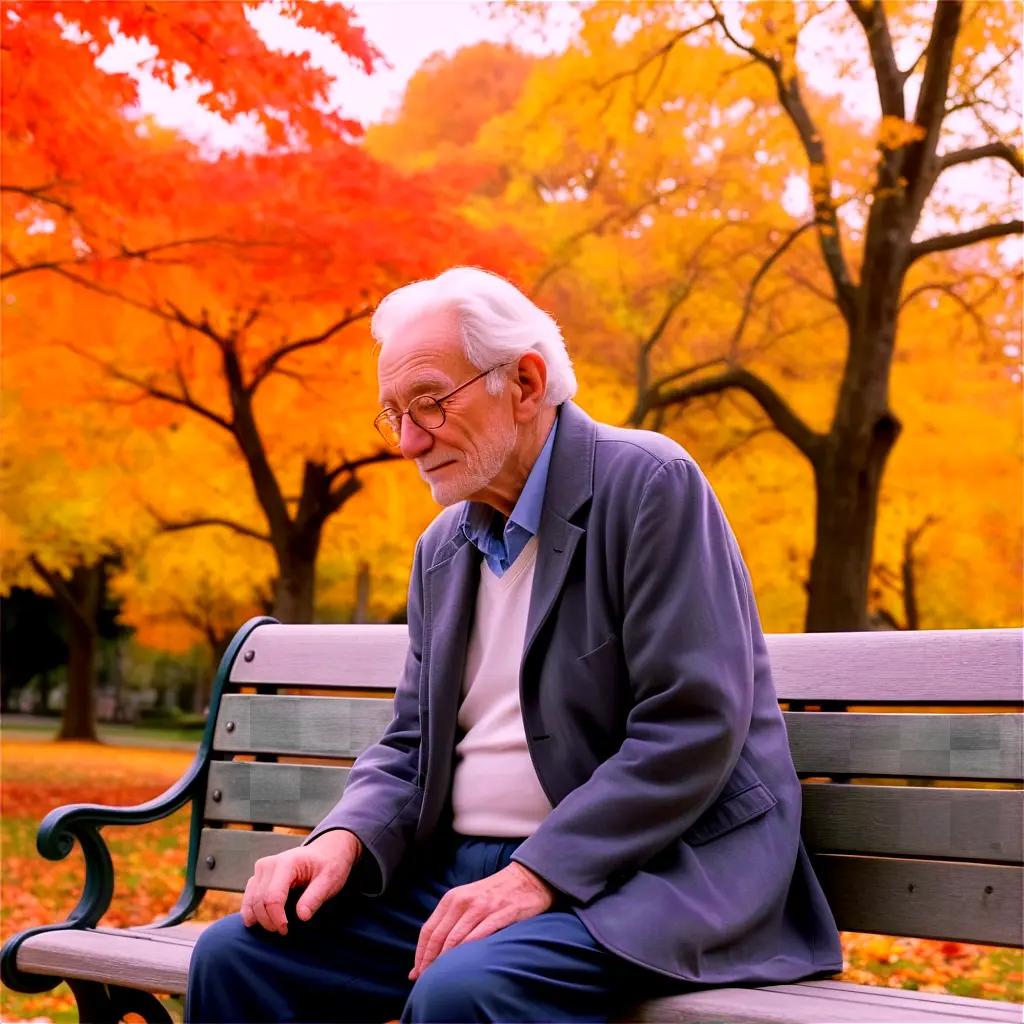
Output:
x=497 y=324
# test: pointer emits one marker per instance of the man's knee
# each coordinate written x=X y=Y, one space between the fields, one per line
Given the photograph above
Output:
x=221 y=973
x=220 y=946
x=462 y=985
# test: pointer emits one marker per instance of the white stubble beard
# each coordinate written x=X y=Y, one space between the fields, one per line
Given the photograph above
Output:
x=473 y=474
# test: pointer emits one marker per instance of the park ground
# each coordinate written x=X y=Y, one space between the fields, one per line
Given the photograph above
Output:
x=39 y=774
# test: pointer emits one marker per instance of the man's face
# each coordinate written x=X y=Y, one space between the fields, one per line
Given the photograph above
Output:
x=463 y=456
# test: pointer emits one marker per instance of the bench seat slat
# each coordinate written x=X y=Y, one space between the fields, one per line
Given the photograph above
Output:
x=914 y=821
x=314 y=726
x=158 y=960
x=933 y=746
x=924 y=897
x=280 y=794
x=856 y=991
x=154 y=961
x=810 y=1003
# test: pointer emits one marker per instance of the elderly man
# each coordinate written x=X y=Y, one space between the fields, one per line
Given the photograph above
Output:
x=586 y=793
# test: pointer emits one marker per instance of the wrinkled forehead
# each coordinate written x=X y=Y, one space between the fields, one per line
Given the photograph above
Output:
x=421 y=355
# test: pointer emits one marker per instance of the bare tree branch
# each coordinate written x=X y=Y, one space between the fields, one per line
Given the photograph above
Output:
x=943 y=243
x=622 y=217
x=179 y=525
x=931 y=101
x=970 y=101
x=123 y=253
x=40 y=193
x=803 y=282
x=997 y=150
x=675 y=299
x=785 y=420
x=912 y=67
x=748 y=300
x=887 y=74
x=266 y=366
x=734 y=446
x=948 y=288
x=62 y=592
x=354 y=465
x=184 y=400
x=688 y=371
x=829 y=234
x=661 y=51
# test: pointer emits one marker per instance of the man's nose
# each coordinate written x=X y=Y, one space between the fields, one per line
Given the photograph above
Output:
x=413 y=440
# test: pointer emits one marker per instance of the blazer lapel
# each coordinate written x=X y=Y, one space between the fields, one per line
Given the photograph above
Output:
x=556 y=544
x=451 y=598
x=570 y=484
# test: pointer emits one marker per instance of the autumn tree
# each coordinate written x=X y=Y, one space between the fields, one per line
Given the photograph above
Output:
x=72 y=148
x=62 y=532
x=244 y=319
x=658 y=155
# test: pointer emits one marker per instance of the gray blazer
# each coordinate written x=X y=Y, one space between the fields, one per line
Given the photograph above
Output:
x=650 y=714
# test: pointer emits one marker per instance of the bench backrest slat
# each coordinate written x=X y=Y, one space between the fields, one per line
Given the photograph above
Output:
x=934 y=746
x=937 y=746
x=913 y=821
x=318 y=726
x=362 y=657
x=227 y=856
x=295 y=795
x=924 y=666
x=984 y=666
x=949 y=899
x=892 y=820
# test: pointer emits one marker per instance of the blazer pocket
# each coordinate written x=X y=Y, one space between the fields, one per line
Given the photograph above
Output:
x=735 y=810
x=607 y=648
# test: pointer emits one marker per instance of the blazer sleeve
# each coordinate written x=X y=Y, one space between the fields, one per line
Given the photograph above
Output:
x=688 y=622
x=381 y=801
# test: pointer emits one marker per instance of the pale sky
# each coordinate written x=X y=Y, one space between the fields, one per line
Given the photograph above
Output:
x=405 y=31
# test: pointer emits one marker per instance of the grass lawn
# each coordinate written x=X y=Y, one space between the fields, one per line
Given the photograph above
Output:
x=38 y=775
x=26 y=727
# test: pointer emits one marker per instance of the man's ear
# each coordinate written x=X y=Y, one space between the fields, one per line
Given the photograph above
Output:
x=531 y=384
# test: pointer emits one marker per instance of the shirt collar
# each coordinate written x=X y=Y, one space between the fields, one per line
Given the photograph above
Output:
x=477 y=518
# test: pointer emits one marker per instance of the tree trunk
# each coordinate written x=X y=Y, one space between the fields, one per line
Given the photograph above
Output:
x=295 y=586
x=86 y=587
x=848 y=480
x=362 y=606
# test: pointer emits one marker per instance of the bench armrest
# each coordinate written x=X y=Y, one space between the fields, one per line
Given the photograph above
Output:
x=56 y=839
x=62 y=826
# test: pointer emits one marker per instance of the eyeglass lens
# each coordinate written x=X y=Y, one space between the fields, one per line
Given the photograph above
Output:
x=425 y=412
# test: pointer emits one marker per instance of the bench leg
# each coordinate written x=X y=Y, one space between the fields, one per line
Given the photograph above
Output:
x=108 y=1004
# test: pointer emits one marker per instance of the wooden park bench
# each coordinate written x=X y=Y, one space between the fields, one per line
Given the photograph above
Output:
x=904 y=841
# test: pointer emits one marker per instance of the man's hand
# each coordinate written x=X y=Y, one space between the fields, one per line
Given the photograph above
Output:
x=322 y=867
x=479 y=909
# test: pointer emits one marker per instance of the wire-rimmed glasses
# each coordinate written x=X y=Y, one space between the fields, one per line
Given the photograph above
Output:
x=426 y=412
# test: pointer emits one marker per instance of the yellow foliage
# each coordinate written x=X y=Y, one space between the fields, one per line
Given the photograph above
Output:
x=894 y=132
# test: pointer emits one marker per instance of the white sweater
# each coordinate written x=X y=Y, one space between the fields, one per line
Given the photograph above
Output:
x=495 y=789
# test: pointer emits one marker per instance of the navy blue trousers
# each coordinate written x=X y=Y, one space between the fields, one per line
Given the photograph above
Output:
x=351 y=961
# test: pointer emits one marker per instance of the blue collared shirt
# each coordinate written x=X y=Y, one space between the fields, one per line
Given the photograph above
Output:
x=502 y=540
